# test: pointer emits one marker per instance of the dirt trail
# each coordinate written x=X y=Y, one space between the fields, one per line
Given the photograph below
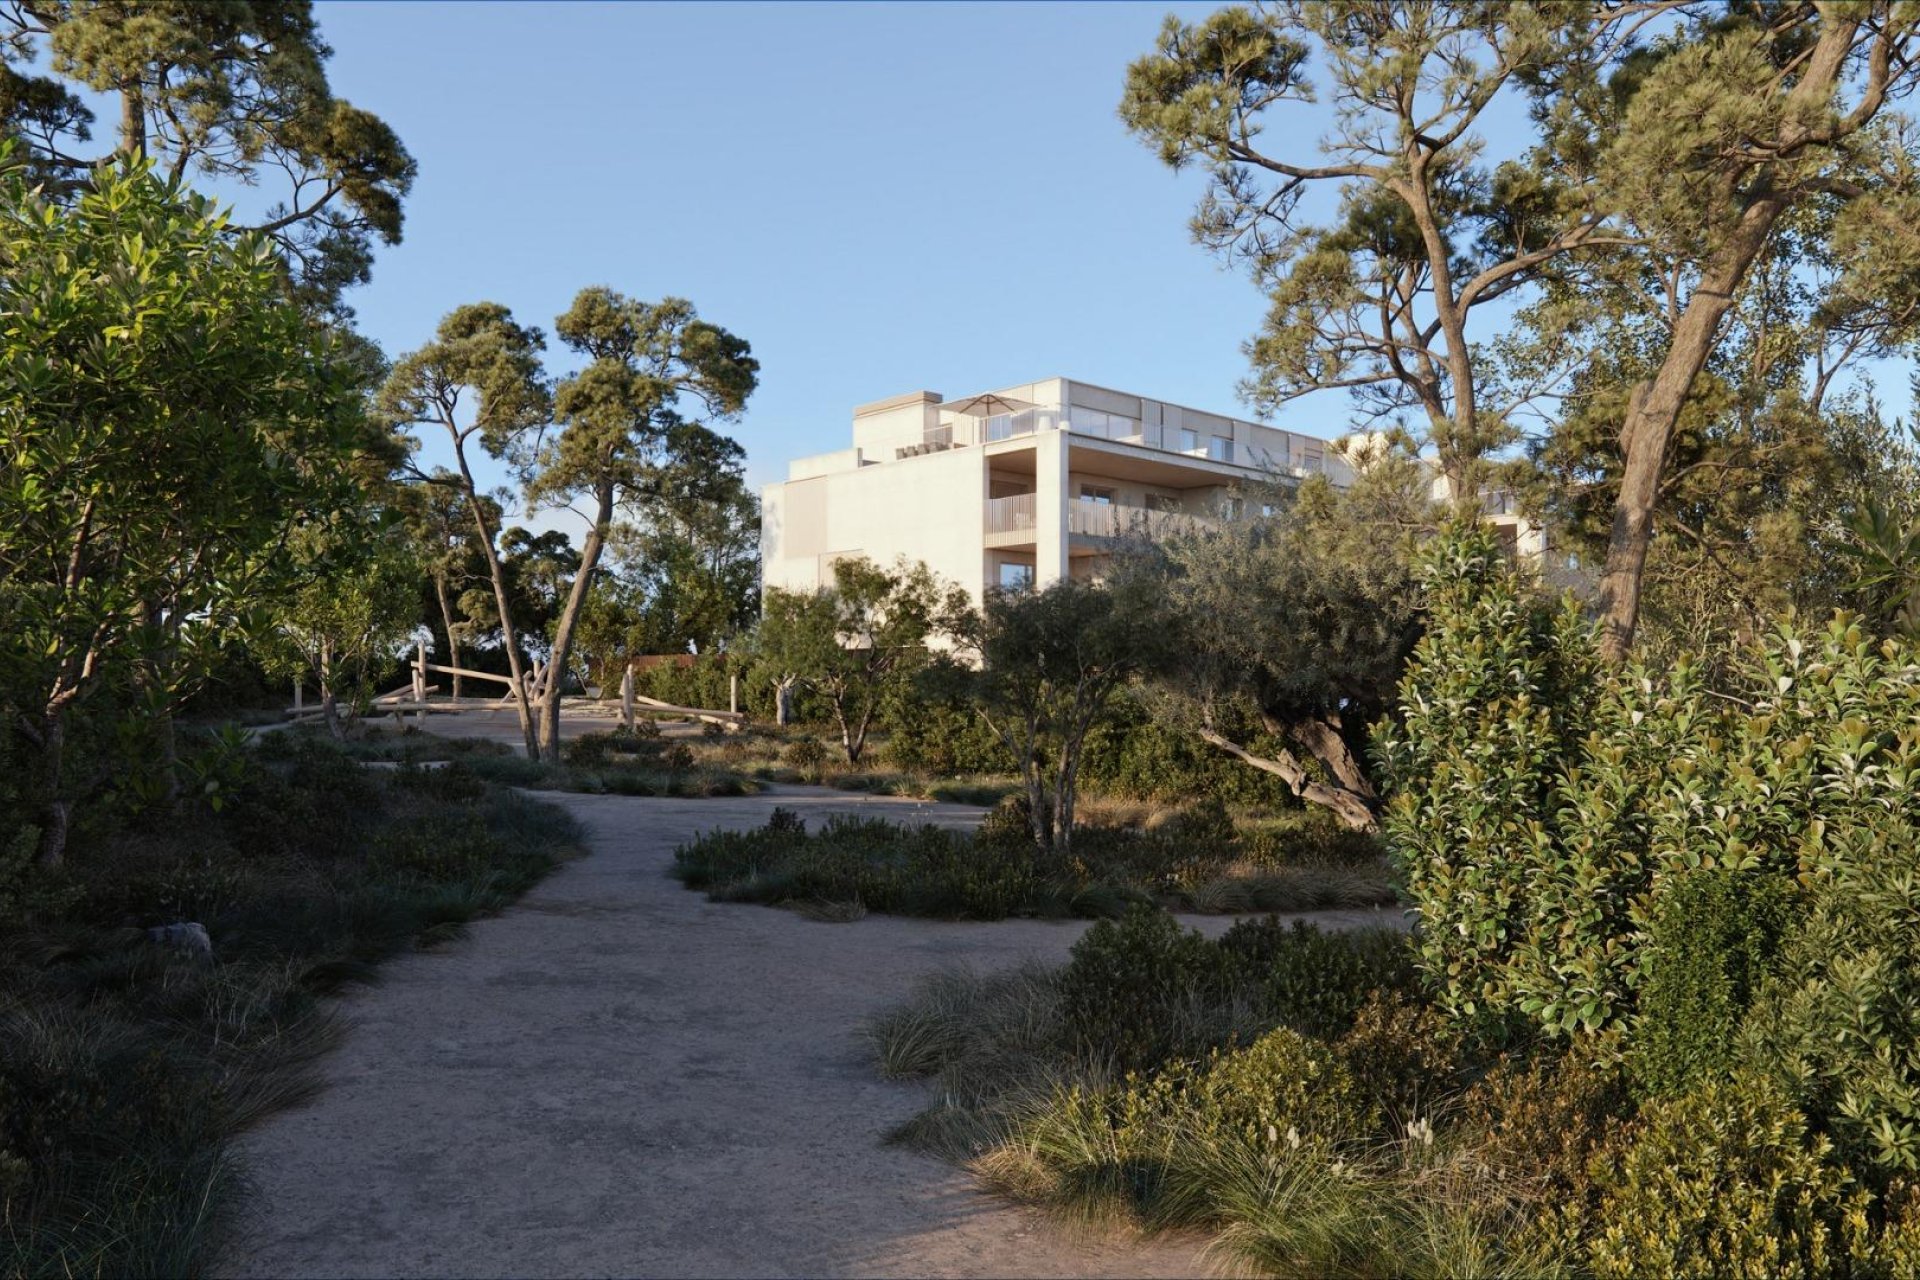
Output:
x=619 y=1078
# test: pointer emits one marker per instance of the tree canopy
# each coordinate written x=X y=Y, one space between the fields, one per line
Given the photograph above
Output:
x=231 y=90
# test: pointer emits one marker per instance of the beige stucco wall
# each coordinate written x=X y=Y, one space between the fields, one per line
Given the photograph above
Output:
x=930 y=508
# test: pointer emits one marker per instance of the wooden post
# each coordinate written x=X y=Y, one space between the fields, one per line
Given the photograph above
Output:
x=733 y=694
x=626 y=698
x=420 y=682
x=299 y=693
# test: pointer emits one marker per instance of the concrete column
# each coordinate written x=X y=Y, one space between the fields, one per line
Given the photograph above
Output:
x=1050 y=507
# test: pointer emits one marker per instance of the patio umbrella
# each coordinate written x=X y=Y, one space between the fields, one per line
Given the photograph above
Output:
x=988 y=406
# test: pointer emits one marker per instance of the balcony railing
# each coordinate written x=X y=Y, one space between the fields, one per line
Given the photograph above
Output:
x=1111 y=520
x=1010 y=521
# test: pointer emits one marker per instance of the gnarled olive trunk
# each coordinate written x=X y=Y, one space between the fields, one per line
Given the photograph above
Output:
x=1347 y=792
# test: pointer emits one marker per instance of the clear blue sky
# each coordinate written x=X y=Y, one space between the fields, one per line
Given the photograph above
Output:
x=879 y=198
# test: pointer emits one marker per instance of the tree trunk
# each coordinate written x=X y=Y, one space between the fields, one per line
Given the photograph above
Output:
x=783 y=701
x=549 y=717
x=329 y=705
x=1322 y=739
x=53 y=806
x=1352 y=808
x=453 y=639
x=1656 y=403
x=497 y=573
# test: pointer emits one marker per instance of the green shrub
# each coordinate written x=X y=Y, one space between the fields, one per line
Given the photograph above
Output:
x=1725 y=1181
x=1131 y=755
x=1715 y=934
x=1836 y=1023
x=1133 y=986
x=871 y=862
x=1313 y=981
x=806 y=753
x=1542 y=804
x=940 y=737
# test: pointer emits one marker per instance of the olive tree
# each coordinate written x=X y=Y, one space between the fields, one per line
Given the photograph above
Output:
x=857 y=641
x=1292 y=631
x=1049 y=665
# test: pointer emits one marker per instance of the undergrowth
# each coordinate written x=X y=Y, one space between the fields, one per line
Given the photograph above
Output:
x=128 y=1067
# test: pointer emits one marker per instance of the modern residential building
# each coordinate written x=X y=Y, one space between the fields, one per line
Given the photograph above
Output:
x=1024 y=485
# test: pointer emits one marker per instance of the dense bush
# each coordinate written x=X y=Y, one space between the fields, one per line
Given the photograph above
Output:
x=869 y=862
x=1725 y=1181
x=1543 y=805
x=1143 y=990
x=1133 y=755
x=1714 y=939
x=1836 y=1022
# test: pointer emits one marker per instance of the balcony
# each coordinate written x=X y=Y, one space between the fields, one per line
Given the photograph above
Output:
x=1014 y=521
x=1010 y=521
x=1104 y=520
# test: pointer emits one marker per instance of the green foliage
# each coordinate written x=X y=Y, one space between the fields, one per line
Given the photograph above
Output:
x=1051 y=665
x=167 y=419
x=1715 y=938
x=859 y=644
x=1142 y=991
x=1835 y=1022
x=1129 y=981
x=1726 y=1181
x=234 y=92
x=1494 y=702
x=874 y=863
x=1293 y=630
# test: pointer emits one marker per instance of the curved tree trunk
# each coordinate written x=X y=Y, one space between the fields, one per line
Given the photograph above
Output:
x=1656 y=404
x=548 y=720
x=497 y=572
x=1354 y=806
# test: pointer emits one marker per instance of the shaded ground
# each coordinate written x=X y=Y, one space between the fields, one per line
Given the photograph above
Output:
x=619 y=1078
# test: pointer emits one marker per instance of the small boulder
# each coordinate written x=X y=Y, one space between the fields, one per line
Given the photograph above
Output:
x=190 y=937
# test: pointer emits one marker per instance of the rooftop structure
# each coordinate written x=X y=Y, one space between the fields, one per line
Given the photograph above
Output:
x=1019 y=486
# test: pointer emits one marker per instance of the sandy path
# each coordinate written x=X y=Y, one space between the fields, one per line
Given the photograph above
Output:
x=619 y=1078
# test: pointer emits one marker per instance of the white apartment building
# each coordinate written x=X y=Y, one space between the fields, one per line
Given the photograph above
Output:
x=1020 y=486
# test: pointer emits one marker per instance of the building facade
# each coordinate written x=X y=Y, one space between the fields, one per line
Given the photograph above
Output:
x=1021 y=486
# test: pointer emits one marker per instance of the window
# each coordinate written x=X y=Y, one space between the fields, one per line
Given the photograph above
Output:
x=1094 y=493
x=1108 y=426
x=1162 y=502
x=1015 y=576
x=1220 y=448
x=1189 y=441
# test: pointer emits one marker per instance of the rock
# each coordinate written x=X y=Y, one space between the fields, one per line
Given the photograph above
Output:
x=189 y=937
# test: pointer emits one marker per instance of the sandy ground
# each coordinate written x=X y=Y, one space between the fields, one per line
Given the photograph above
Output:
x=619 y=1078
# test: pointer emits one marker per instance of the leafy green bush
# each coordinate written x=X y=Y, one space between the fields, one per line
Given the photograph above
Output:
x=1542 y=805
x=940 y=736
x=1312 y=980
x=872 y=862
x=1129 y=983
x=1725 y=1181
x=1836 y=1022
x=1715 y=934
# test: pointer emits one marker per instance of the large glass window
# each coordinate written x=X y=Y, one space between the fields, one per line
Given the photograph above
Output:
x=1108 y=426
x=1189 y=441
x=1096 y=493
x=1220 y=448
x=1015 y=576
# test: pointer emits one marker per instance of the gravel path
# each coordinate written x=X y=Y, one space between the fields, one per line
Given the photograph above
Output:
x=619 y=1078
